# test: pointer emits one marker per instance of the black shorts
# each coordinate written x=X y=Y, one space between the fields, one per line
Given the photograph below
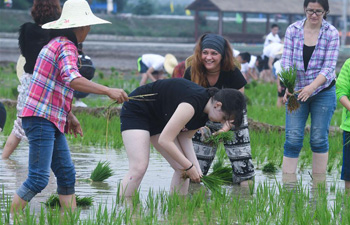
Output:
x=283 y=90
x=142 y=68
x=136 y=115
x=2 y=116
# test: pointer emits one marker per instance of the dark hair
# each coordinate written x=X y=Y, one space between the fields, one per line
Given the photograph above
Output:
x=233 y=103
x=274 y=25
x=323 y=3
x=68 y=33
x=245 y=56
x=260 y=63
x=44 y=11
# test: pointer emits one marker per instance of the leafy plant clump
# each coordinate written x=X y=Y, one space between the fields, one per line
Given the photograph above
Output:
x=288 y=77
x=214 y=140
x=54 y=201
x=269 y=168
x=102 y=171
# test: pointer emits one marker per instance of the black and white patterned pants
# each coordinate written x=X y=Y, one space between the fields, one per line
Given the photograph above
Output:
x=238 y=151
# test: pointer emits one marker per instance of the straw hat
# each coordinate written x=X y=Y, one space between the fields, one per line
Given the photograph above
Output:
x=20 y=66
x=169 y=63
x=75 y=13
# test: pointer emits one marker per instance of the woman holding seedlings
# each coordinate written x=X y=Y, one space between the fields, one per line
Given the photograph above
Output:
x=311 y=45
x=167 y=113
x=31 y=40
x=213 y=65
x=47 y=115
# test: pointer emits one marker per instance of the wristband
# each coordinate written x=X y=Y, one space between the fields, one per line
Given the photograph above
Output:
x=189 y=167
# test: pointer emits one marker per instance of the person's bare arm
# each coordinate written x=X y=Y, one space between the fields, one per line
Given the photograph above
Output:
x=84 y=85
x=177 y=122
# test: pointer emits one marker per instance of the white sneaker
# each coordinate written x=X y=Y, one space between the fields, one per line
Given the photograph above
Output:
x=79 y=103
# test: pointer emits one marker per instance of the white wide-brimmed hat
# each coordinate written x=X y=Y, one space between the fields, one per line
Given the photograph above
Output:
x=169 y=63
x=75 y=13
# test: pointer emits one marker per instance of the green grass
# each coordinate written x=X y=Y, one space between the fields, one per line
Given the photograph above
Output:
x=271 y=203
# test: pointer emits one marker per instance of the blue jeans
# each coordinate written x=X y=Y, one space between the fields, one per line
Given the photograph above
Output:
x=321 y=108
x=47 y=148
x=345 y=171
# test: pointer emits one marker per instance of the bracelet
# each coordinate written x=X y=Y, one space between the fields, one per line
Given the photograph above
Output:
x=189 y=167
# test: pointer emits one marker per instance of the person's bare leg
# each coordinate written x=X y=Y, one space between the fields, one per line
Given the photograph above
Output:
x=68 y=201
x=347 y=185
x=289 y=165
x=11 y=144
x=178 y=183
x=137 y=146
x=319 y=162
x=144 y=78
x=17 y=203
x=279 y=102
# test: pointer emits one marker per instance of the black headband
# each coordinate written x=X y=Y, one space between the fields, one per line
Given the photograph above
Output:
x=214 y=41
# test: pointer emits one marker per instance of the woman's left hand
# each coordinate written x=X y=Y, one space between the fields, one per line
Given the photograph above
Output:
x=74 y=126
x=305 y=93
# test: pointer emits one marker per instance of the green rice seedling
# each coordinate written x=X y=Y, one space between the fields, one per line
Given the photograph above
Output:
x=102 y=171
x=215 y=140
x=53 y=201
x=270 y=167
x=288 y=77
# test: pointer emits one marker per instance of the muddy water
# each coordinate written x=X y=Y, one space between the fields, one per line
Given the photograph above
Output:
x=13 y=172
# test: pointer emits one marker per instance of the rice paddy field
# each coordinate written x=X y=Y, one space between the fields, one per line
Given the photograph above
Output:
x=273 y=198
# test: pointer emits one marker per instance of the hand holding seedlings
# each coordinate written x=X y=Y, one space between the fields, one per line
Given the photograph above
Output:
x=193 y=173
x=117 y=94
x=288 y=78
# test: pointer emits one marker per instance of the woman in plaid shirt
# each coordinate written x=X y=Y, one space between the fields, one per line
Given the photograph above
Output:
x=312 y=45
x=47 y=115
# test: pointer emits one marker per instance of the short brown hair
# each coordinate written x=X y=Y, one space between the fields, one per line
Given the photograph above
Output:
x=44 y=11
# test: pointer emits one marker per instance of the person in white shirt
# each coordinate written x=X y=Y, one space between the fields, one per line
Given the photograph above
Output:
x=152 y=66
x=281 y=89
x=272 y=37
x=270 y=53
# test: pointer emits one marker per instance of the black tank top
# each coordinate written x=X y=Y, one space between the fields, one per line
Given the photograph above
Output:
x=307 y=53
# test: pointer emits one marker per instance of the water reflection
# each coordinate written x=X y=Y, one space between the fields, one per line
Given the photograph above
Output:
x=158 y=177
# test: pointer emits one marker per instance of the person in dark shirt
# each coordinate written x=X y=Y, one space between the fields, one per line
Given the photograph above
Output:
x=213 y=65
x=168 y=116
x=31 y=40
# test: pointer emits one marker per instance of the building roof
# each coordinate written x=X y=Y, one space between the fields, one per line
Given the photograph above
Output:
x=261 y=6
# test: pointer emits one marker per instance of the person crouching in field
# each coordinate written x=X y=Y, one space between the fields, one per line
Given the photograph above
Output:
x=168 y=116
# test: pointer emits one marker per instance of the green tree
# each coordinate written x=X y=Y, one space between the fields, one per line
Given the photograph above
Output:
x=121 y=5
x=144 y=7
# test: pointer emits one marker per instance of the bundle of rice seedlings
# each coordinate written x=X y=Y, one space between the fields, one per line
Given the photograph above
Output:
x=224 y=173
x=54 y=201
x=214 y=140
x=288 y=77
x=220 y=157
x=269 y=168
x=101 y=172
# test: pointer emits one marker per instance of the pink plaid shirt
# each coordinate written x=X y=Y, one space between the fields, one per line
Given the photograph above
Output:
x=323 y=59
x=50 y=95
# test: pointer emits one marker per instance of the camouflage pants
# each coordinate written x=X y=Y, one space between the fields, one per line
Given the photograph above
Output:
x=238 y=151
